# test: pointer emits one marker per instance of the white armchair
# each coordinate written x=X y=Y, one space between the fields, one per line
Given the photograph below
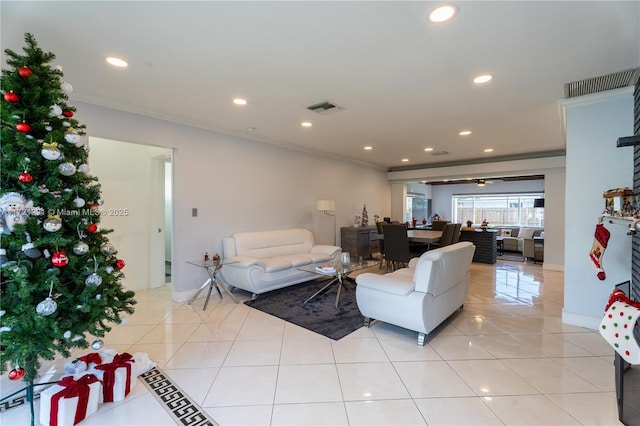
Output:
x=419 y=297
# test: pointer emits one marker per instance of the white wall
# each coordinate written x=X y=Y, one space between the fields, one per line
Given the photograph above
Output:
x=594 y=165
x=128 y=183
x=240 y=185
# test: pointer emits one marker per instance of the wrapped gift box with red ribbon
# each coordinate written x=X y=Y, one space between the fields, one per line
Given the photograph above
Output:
x=118 y=377
x=70 y=401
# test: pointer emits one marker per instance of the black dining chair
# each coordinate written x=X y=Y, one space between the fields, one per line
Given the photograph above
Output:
x=456 y=233
x=396 y=246
x=380 y=226
x=447 y=236
x=438 y=225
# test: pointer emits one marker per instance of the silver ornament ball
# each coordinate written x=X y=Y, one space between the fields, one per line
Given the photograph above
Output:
x=47 y=307
x=93 y=279
x=97 y=344
x=81 y=248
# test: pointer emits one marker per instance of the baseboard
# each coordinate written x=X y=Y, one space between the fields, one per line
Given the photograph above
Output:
x=581 y=320
x=553 y=267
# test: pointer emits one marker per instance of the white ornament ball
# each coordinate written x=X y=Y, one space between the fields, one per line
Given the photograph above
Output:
x=67 y=334
x=52 y=224
x=81 y=248
x=4 y=328
x=66 y=124
x=51 y=152
x=73 y=138
x=79 y=202
x=107 y=248
x=47 y=307
x=97 y=345
x=84 y=168
x=93 y=279
x=66 y=87
x=48 y=128
x=124 y=321
x=67 y=169
x=55 y=111
x=109 y=269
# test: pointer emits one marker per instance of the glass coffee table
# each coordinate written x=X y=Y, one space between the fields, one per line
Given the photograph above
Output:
x=338 y=275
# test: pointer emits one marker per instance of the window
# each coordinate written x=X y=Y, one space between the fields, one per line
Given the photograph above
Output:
x=498 y=209
x=418 y=207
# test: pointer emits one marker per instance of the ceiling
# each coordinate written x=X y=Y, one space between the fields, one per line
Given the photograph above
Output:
x=403 y=84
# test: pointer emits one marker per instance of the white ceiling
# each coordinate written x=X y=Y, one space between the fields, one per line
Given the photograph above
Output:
x=404 y=83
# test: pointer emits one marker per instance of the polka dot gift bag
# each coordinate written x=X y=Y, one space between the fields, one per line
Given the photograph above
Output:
x=617 y=325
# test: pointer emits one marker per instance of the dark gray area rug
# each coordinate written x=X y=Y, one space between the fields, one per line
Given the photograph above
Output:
x=319 y=315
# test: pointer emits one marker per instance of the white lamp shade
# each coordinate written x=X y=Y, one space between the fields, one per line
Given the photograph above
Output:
x=326 y=205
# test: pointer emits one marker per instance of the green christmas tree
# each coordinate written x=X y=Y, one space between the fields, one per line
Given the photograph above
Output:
x=60 y=276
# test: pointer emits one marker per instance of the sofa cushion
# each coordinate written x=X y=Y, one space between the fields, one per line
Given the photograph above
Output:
x=393 y=283
x=526 y=233
x=267 y=244
x=274 y=264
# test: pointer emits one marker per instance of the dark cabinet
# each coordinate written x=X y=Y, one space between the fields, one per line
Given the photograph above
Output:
x=486 y=245
x=360 y=242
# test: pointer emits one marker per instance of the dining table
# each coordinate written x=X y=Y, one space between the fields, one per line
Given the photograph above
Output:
x=421 y=236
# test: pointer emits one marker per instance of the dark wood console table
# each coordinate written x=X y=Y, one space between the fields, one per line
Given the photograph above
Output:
x=359 y=242
x=486 y=245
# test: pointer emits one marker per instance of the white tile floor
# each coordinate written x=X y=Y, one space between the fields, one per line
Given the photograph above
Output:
x=505 y=359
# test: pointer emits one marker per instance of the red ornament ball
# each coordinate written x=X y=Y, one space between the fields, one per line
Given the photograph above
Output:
x=59 y=259
x=11 y=97
x=25 y=72
x=119 y=263
x=92 y=228
x=67 y=113
x=25 y=177
x=23 y=127
x=16 y=373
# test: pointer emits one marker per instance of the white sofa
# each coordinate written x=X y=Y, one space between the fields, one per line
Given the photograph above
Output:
x=268 y=260
x=421 y=296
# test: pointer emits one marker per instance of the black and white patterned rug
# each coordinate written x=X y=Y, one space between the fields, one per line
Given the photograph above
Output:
x=175 y=400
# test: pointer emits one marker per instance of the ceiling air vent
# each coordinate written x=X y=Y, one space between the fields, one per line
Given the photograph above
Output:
x=602 y=83
x=436 y=153
x=324 y=107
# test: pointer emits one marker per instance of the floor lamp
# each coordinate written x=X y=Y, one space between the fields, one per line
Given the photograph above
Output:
x=328 y=206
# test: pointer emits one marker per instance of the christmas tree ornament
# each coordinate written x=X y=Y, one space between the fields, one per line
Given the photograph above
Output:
x=66 y=87
x=78 y=202
x=4 y=328
x=97 y=344
x=48 y=305
x=48 y=127
x=50 y=151
x=119 y=263
x=25 y=72
x=25 y=177
x=80 y=248
x=107 y=248
x=16 y=374
x=67 y=169
x=93 y=279
x=109 y=269
x=59 y=259
x=600 y=241
x=3 y=256
x=55 y=111
x=92 y=228
x=68 y=113
x=29 y=248
x=67 y=334
x=15 y=210
x=52 y=223
x=66 y=124
x=84 y=168
x=11 y=97
x=72 y=137
x=23 y=127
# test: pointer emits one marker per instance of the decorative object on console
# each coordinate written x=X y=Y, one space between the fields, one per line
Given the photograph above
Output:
x=484 y=225
x=619 y=202
x=365 y=216
x=328 y=206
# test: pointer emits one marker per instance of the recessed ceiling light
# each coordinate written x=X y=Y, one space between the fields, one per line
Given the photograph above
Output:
x=306 y=124
x=405 y=160
x=116 y=62
x=240 y=101
x=424 y=181
x=250 y=129
x=483 y=78
x=368 y=148
x=465 y=133
x=443 y=13
x=428 y=149
x=488 y=150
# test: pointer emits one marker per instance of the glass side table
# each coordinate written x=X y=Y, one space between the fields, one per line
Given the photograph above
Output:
x=212 y=268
